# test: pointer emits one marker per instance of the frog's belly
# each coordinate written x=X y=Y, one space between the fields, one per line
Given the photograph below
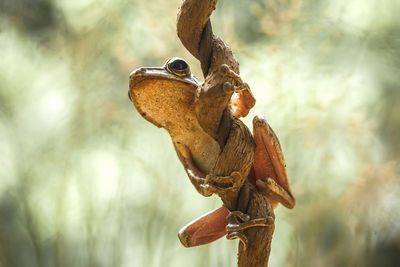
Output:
x=205 y=152
x=203 y=148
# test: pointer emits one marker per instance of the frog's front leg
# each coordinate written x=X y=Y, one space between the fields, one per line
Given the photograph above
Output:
x=236 y=85
x=208 y=184
x=214 y=96
x=242 y=100
x=196 y=176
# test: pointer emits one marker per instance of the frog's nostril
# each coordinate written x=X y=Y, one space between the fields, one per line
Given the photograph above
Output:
x=137 y=72
x=140 y=71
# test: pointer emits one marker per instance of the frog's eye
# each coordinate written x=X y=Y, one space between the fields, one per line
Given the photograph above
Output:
x=178 y=66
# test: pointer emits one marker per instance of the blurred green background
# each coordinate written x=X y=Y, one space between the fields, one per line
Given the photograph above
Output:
x=85 y=181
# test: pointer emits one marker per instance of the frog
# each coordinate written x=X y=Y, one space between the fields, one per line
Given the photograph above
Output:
x=193 y=113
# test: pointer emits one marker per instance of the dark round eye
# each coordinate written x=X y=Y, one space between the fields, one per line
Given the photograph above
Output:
x=178 y=66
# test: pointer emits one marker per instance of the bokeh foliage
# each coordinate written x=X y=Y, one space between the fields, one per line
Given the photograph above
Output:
x=85 y=181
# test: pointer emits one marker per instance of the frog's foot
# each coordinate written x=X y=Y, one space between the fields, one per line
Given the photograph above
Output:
x=239 y=221
x=238 y=235
x=230 y=88
x=276 y=193
x=237 y=86
x=218 y=184
x=242 y=99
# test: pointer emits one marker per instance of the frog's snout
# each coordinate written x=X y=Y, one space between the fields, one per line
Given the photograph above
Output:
x=137 y=72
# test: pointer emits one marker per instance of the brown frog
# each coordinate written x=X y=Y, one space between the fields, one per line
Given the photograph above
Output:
x=172 y=98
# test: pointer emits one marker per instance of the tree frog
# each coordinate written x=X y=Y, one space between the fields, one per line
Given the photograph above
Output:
x=170 y=97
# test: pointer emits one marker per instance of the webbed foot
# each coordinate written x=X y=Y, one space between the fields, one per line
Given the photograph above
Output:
x=239 y=221
x=271 y=189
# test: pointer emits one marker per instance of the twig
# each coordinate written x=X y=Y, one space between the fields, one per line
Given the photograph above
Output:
x=195 y=32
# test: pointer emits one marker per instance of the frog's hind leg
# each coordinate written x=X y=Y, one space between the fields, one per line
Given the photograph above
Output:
x=205 y=229
x=272 y=190
x=269 y=165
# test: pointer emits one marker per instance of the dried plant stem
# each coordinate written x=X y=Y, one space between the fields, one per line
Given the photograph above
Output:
x=194 y=30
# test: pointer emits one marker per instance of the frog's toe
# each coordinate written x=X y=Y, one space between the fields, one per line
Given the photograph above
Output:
x=239 y=221
x=238 y=235
x=259 y=121
x=228 y=87
x=223 y=183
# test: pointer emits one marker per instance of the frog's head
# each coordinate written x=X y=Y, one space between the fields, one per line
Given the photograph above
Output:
x=164 y=95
